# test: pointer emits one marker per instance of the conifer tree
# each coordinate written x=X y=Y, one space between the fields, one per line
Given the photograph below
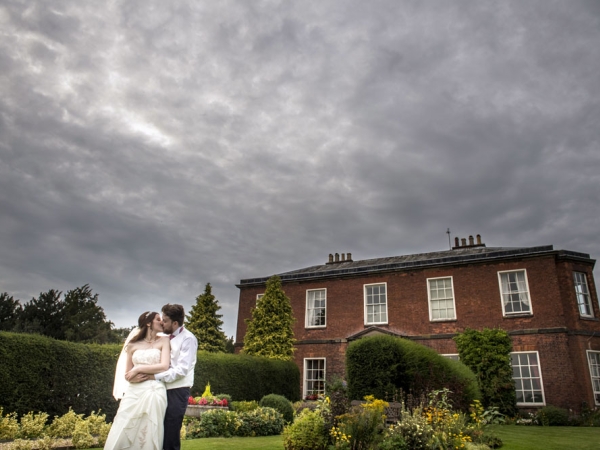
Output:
x=269 y=331
x=205 y=323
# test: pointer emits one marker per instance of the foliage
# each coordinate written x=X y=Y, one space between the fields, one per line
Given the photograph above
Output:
x=362 y=426
x=553 y=416
x=247 y=377
x=218 y=422
x=589 y=417
x=337 y=393
x=243 y=406
x=9 y=425
x=381 y=365
x=10 y=312
x=44 y=374
x=44 y=443
x=270 y=331
x=64 y=426
x=205 y=323
x=306 y=433
x=301 y=405
x=487 y=354
x=82 y=438
x=77 y=317
x=21 y=444
x=32 y=425
x=279 y=403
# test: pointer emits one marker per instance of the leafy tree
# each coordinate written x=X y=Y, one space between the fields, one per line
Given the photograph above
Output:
x=44 y=315
x=205 y=323
x=270 y=331
x=487 y=354
x=84 y=320
x=10 y=312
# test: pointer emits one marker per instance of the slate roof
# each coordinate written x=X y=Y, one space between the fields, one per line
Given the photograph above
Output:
x=457 y=256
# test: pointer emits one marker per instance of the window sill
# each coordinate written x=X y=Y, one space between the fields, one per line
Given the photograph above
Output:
x=442 y=320
x=316 y=327
x=591 y=319
x=518 y=315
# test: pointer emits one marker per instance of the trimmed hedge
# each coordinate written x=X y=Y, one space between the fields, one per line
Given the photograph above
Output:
x=42 y=374
x=381 y=365
x=245 y=377
x=39 y=373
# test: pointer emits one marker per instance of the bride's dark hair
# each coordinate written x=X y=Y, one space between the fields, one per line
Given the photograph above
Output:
x=143 y=321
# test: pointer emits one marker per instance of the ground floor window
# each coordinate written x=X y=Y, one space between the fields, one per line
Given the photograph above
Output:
x=594 y=362
x=527 y=375
x=314 y=378
x=453 y=356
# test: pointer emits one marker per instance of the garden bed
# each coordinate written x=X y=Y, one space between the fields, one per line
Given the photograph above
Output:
x=197 y=410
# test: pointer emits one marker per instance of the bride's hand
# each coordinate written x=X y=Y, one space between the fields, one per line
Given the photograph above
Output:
x=132 y=373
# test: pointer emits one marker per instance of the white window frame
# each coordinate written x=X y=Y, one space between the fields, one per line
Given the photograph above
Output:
x=452 y=356
x=444 y=319
x=528 y=292
x=306 y=379
x=594 y=374
x=525 y=378
x=258 y=296
x=366 y=314
x=582 y=294
x=308 y=310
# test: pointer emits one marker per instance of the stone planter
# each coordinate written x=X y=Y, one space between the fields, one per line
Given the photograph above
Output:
x=197 y=410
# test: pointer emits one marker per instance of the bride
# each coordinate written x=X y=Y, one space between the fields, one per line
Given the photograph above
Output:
x=139 y=420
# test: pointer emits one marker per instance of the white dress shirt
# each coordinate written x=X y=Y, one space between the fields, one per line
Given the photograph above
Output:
x=184 y=347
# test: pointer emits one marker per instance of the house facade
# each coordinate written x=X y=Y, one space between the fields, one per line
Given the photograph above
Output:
x=546 y=300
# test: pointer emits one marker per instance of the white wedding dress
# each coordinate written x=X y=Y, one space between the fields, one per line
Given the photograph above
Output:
x=139 y=420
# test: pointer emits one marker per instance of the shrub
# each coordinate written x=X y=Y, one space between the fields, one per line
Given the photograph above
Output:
x=487 y=354
x=279 y=403
x=301 y=405
x=64 y=426
x=213 y=423
x=33 y=425
x=9 y=426
x=82 y=438
x=553 y=416
x=243 y=406
x=262 y=421
x=45 y=443
x=362 y=426
x=21 y=444
x=306 y=433
x=103 y=434
x=96 y=422
x=380 y=365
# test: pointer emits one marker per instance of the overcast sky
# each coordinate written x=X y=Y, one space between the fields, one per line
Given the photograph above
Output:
x=150 y=147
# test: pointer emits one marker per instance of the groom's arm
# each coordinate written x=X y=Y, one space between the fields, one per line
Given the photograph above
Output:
x=185 y=362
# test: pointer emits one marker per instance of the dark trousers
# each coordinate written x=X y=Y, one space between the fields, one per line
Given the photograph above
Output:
x=177 y=401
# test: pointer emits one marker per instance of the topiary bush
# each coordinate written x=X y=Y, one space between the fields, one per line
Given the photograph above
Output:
x=279 y=403
x=382 y=365
x=553 y=416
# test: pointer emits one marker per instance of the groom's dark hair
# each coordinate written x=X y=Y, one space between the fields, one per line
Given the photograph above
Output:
x=174 y=312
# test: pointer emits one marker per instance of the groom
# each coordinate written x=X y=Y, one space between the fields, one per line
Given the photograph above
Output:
x=179 y=378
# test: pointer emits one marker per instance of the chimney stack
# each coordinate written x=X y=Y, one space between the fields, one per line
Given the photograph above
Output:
x=472 y=243
x=337 y=258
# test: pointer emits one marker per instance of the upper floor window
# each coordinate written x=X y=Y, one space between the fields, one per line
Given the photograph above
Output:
x=594 y=363
x=316 y=308
x=583 y=294
x=314 y=377
x=527 y=376
x=258 y=297
x=441 y=299
x=375 y=303
x=515 y=292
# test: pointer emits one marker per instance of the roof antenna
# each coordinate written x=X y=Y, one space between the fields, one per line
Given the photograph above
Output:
x=449 y=241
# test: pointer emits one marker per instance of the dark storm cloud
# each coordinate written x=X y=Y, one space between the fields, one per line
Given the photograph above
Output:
x=148 y=148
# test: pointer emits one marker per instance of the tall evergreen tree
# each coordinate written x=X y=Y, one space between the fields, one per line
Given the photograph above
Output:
x=269 y=332
x=10 y=312
x=205 y=323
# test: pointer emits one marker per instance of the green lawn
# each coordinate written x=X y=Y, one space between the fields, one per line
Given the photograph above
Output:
x=514 y=438
x=548 y=438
